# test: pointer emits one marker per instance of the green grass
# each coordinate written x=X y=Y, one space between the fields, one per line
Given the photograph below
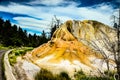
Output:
x=17 y=52
x=47 y=75
x=3 y=48
x=81 y=76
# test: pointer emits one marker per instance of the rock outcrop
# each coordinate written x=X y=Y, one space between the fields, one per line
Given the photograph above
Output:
x=72 y=48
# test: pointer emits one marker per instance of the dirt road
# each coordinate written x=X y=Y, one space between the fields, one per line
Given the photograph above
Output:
x=1 y=73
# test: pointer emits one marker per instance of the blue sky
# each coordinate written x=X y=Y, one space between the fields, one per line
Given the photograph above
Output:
x=36 y=15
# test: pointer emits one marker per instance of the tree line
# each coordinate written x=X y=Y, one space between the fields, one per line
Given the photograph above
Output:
x=12 y=35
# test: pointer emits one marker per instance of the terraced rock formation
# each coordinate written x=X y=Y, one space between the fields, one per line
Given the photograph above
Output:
x=72 y=48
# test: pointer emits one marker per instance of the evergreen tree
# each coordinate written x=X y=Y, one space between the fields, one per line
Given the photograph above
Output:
x=43 y=37
x=53 y=29
x=16 y=36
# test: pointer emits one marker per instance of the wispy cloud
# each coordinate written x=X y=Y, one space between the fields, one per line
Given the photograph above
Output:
x=31 y=22
x=40 y=16
x=46 y=2
x=53 y=2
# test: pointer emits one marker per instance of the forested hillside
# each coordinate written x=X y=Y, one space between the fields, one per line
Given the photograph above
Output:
x=12 y=35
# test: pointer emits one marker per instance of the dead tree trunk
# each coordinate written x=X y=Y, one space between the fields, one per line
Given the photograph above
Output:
x=118 y=35
x=117 y=54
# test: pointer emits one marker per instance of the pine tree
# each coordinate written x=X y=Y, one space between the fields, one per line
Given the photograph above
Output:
x=16 y=36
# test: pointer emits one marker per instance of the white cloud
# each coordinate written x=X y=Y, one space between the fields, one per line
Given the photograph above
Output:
x=46 y=2
x=53 y=2
x=27 y=21
x=101 y=12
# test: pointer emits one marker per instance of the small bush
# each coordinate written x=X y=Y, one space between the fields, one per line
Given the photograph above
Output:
x=47 y=75
x=17 y=52
x=111 y=74
x=3 y=48
x=12 y=60
x=81 y=76
x=44 y=75
x=62 y=76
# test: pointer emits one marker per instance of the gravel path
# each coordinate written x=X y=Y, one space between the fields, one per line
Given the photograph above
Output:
x=8 y=69
x=1 y=54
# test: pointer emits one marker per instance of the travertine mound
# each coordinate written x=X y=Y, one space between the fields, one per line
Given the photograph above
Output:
x=70 y=48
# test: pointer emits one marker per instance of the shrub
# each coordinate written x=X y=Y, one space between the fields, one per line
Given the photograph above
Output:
x=47 y=75
x=3 y=48
x=81 y=76
x=17 y=52
x=44 y=75
x=111 y=74
x=12 y=60
x=62 y=76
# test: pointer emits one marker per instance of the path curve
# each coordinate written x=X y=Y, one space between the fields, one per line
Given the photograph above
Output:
x=1 y=55
x=8 y=70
